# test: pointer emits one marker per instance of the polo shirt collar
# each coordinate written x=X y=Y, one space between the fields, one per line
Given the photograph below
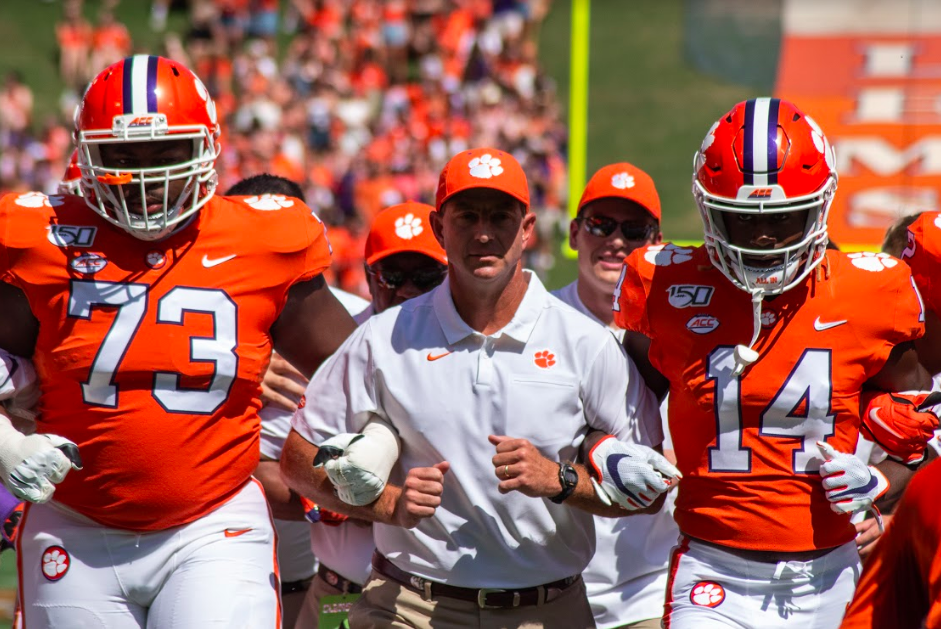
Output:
x=520 y=328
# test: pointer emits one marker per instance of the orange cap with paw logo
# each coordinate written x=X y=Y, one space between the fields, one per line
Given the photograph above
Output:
x=482 y=168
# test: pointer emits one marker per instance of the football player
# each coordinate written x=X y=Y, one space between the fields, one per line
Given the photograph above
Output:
x=765 y=341
x=150 y=308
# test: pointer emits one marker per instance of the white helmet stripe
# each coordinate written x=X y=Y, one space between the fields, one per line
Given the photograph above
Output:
x=137 y=90
x=759 y=140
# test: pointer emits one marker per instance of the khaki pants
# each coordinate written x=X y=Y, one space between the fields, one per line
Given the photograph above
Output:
x=386 y=603
x=651 y=623
x=310 y=611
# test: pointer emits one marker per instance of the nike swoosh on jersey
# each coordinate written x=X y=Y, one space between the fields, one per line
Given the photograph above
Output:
x=236 y=532
x=432 y=357
x=211 y=262
x=820 y=326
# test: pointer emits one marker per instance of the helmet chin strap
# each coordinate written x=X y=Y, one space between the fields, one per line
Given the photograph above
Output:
x=744 y=355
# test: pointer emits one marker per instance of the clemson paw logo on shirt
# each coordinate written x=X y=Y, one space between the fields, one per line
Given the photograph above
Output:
x=55 y=563
x=38 y=199
x=707 y=594
x=874 y=262
x=544 y=359
x=408 y=226
x=268 y=202
x=665 y=255
x=622 y=181
x=485 y=166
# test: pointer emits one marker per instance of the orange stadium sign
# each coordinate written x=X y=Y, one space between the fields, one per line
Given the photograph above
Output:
x=870 y=74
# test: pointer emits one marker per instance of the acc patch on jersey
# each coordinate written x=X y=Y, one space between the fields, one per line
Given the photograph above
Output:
x=702 y=324
x=55 y=563
x=88 y=263
x=707 y=594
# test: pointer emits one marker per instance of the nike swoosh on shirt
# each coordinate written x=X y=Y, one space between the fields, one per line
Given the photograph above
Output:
x=820 y=326
x=211 y=262
x=236 y=532
x=431 y=357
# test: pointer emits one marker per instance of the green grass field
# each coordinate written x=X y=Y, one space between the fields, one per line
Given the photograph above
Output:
x=646 y=105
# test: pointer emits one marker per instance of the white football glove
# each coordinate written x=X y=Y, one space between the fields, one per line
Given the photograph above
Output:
x=358 y=465
x=629 y=474
x=30 y=467
x=850 y=484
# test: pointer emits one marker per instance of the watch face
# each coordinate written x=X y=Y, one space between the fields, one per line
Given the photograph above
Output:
x=570 y=475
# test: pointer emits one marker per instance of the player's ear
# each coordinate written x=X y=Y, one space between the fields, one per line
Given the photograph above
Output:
x=573 y=232
x=657 y=238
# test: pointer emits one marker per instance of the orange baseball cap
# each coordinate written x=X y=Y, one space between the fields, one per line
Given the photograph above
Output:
x=482 y=168
x=623 y=181
x=400 y=228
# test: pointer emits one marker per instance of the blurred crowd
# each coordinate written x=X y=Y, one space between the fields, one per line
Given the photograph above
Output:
x=362 y=103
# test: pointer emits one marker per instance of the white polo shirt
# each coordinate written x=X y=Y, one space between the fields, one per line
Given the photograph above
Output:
x=346 y=549
x=546 y=376
x=627 y=577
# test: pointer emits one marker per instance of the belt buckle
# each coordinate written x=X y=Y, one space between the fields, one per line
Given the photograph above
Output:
x=482 y=598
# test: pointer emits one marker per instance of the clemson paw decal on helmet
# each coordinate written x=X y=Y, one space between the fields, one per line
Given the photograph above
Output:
x=408 y=226
x=665 y=255
x=544 y=359
x=874 y=262
x=55 y=563
x=268 y=202
x=38 y=199
x=485 y=166
x=707 y=594
x=622 y=181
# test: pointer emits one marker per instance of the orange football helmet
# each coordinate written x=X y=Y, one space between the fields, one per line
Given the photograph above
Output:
x=765 y=156
x=146 y=98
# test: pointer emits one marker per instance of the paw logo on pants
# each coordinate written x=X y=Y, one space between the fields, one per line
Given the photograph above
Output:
x=544 y=359
x=55 y=563
x=707 y=594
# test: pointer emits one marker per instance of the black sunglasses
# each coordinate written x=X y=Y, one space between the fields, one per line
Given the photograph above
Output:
x=422 y=279
x=604 y=226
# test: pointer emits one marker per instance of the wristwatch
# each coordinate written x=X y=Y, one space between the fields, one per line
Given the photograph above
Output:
x=568 y=478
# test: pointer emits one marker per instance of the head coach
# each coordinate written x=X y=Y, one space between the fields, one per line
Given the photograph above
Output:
x=476 y=397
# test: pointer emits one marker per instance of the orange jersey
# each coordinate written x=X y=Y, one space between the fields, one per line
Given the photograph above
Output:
x=150 y=354
x=746 y=446
x=901 y=582
x=923 y=255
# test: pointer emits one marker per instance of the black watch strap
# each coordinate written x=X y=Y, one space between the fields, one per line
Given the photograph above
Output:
x=568 y=478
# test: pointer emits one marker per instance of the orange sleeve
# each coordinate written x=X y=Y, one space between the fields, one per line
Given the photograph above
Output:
x=318 y=249
x=630 y=295
x=902 y=316
x=923 y=255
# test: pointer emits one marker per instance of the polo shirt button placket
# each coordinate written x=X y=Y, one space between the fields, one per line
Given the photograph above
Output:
x=485 y=362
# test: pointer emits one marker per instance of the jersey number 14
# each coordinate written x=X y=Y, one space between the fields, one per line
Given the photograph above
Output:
x=801 y=409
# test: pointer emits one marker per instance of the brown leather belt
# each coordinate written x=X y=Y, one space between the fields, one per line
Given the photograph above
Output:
x=769 y=556
x=338 y=581
x=486 y=598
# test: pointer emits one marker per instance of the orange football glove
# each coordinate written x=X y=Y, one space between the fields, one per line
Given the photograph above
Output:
x=901 y=423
